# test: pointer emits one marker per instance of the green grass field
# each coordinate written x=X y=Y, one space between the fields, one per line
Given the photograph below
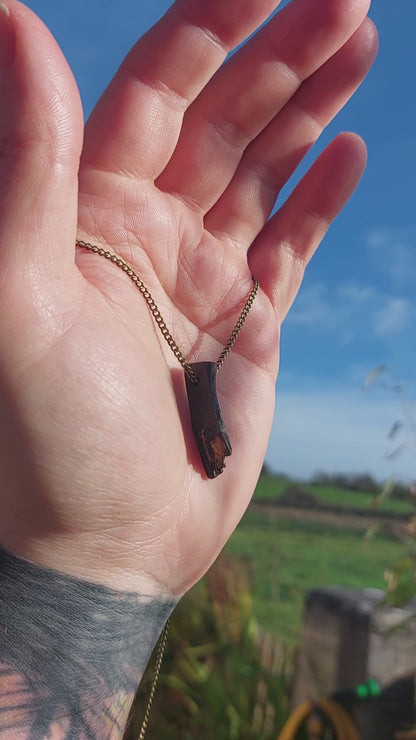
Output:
x=358 y=500
x=288 y=558
x=272 y=488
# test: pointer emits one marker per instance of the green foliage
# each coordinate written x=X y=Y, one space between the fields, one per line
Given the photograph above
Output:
x=401 y=582
x=219 y=678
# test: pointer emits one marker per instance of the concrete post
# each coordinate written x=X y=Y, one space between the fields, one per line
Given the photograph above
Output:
x=349 y=636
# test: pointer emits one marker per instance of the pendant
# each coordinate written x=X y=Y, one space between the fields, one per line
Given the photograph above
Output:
x=207 y=424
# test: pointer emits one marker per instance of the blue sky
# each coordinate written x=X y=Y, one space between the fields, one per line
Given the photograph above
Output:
x=357 y=307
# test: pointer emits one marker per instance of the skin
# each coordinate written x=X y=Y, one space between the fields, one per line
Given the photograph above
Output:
x=71 y=653
x=177 y=172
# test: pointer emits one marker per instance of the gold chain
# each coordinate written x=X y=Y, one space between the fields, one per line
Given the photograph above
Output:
x=156 y=673
x=158 y=317
x=239 y=325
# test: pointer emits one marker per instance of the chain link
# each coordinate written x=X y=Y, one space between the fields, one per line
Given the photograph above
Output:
x=158 y=665
x=239 y=325
x=158 y=317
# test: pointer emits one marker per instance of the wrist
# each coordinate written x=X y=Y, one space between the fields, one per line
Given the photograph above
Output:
x=74 y=650
x=96 y=558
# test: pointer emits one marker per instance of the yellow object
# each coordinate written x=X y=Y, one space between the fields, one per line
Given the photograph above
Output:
x=339 y=718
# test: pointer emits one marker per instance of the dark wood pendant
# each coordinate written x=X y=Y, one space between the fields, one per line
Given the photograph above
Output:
x=207 y=423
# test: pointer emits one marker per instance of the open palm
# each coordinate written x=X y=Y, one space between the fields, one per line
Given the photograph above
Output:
x=181 y=164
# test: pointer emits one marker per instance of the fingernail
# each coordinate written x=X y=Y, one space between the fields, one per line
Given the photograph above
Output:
x=6 y=38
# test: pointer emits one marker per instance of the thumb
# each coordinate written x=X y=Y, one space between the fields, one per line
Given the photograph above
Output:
x=41 y=128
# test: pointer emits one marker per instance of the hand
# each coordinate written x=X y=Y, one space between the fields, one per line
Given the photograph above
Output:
x=181 y=164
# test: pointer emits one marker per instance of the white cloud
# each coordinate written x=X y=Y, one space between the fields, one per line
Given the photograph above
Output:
x=394 y=317
x=356 y=294
x=393 y=252
x=312 y=309
x=339 y=431
x=351 y=311
x=323 y=311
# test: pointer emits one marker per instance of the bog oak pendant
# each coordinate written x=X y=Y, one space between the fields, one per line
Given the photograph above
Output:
x=207 y=424
x=200 y=377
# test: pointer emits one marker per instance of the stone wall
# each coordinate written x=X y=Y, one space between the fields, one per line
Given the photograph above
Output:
x=349 y=636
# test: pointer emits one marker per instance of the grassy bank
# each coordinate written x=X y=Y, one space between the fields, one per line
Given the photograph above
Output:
x=288 y=558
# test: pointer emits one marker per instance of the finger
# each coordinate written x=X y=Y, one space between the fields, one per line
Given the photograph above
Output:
x=40 y=137
x=135 y=126
x=271 y=159
x=250 y=90
x=281 y=252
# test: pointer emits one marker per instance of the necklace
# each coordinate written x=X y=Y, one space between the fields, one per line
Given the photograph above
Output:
x=200 y=377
